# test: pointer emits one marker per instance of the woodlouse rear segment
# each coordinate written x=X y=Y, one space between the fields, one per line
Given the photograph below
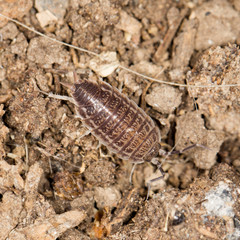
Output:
x=116 y=121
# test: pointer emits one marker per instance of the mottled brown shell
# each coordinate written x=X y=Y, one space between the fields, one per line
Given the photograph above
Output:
x=116 y=121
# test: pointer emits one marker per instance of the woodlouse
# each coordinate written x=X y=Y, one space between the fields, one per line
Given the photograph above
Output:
x=116 y=122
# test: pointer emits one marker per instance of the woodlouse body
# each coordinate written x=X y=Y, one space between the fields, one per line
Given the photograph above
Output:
x=116 y=121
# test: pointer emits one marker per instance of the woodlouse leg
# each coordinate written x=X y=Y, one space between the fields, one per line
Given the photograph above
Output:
x=59 y=159
x=87 y=132
x=132 y=171
x=99 y=144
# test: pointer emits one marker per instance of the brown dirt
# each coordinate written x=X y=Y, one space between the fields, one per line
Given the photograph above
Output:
x=55 y=174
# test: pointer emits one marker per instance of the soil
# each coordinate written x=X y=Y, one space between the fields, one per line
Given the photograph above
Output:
x=58 y=182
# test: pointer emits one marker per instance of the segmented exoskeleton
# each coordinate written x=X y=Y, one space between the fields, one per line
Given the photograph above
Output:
x=116 y=121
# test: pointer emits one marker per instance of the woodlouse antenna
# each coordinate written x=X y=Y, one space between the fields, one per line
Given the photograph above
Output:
x=188 y=148
x=159 y=165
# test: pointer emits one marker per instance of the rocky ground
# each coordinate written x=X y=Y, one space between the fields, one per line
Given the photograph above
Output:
x=57 y=182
